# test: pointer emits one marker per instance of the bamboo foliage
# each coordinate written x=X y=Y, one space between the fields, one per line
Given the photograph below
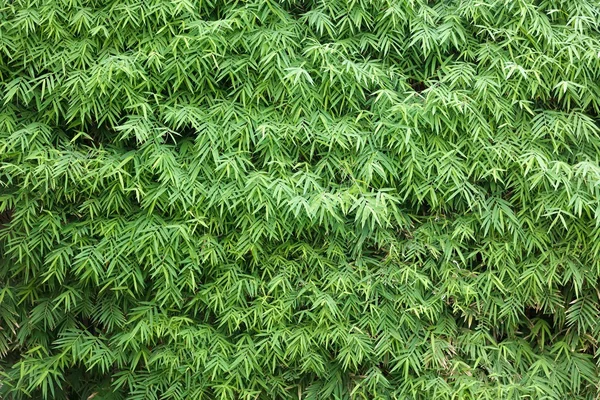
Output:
x=298 y=199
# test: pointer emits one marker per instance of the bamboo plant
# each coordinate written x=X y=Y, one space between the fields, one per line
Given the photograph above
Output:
x=297 y=199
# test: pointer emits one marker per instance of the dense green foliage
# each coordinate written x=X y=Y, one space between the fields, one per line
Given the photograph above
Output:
x=339 y=199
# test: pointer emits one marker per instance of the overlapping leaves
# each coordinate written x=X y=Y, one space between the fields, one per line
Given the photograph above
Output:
x=298 y=199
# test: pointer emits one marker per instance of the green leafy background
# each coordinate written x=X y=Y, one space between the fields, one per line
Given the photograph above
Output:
x=303 y=199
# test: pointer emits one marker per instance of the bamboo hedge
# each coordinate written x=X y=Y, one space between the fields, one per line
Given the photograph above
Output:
x=296 y=199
